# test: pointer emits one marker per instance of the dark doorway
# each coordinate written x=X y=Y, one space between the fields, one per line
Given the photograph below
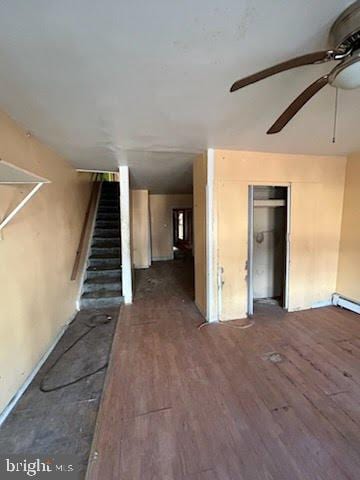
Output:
x=182 y=232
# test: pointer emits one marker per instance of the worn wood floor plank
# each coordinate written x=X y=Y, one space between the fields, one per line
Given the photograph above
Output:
x=277 y=401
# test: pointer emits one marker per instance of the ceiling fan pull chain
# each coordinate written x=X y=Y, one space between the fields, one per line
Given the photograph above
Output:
x=335 y=114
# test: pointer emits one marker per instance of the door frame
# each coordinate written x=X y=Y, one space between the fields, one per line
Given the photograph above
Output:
x=250 y=259
x=187 y=225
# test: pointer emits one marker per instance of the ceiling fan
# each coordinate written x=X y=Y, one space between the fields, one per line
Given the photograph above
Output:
x=345 y=41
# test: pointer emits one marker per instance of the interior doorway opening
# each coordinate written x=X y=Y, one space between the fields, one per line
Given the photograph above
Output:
x=268 y=246
x=182 y=232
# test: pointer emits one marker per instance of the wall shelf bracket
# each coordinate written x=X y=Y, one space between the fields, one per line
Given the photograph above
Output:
x=13 y=175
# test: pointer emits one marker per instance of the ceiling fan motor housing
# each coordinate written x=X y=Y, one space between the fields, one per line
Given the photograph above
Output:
x=345 y=32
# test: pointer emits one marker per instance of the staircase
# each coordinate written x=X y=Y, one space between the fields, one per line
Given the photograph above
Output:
x=102 y=285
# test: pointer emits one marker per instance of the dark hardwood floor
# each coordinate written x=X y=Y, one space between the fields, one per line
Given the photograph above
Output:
x=277 y=401
x=62 y=421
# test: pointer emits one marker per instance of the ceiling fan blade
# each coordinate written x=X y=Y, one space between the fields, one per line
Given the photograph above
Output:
x=309 y=59
x=297 y=104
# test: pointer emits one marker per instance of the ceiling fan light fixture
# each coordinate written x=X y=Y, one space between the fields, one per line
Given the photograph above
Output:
x=347 y=76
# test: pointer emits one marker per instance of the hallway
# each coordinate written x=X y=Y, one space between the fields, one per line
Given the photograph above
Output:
x=276 y=401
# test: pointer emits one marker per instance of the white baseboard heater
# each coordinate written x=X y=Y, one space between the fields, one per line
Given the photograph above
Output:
x=344 y=302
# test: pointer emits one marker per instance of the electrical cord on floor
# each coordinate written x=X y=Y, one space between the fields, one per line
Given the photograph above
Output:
x=226 y=324
x=247 y=325
x=91 y=324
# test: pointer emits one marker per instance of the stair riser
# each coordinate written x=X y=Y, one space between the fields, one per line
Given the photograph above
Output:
x=100 y=302
x=106 y=243
x=115 y=273
x=108 y=203
x=106 y=232
x=102 y=238
x=104 y=256
x=107 y=217
x=114 y=251
x=112 y=224
x=96 y=262
x=111 y=210
x=95 y=287
x=110 y=193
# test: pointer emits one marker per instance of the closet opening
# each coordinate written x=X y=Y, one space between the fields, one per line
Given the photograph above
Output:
x=268 y=246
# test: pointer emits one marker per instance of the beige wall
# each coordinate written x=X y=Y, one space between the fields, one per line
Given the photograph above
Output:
x=317 y=186
x=199 y=215
x=37 y=253
x=161 y=222
x=348 y=283
x=140 y=229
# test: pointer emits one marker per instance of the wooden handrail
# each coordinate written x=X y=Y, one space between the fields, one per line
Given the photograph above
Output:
x=93 y=196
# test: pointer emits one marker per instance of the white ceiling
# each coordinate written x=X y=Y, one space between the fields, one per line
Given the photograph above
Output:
x=160 y=172
x=92 y=78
